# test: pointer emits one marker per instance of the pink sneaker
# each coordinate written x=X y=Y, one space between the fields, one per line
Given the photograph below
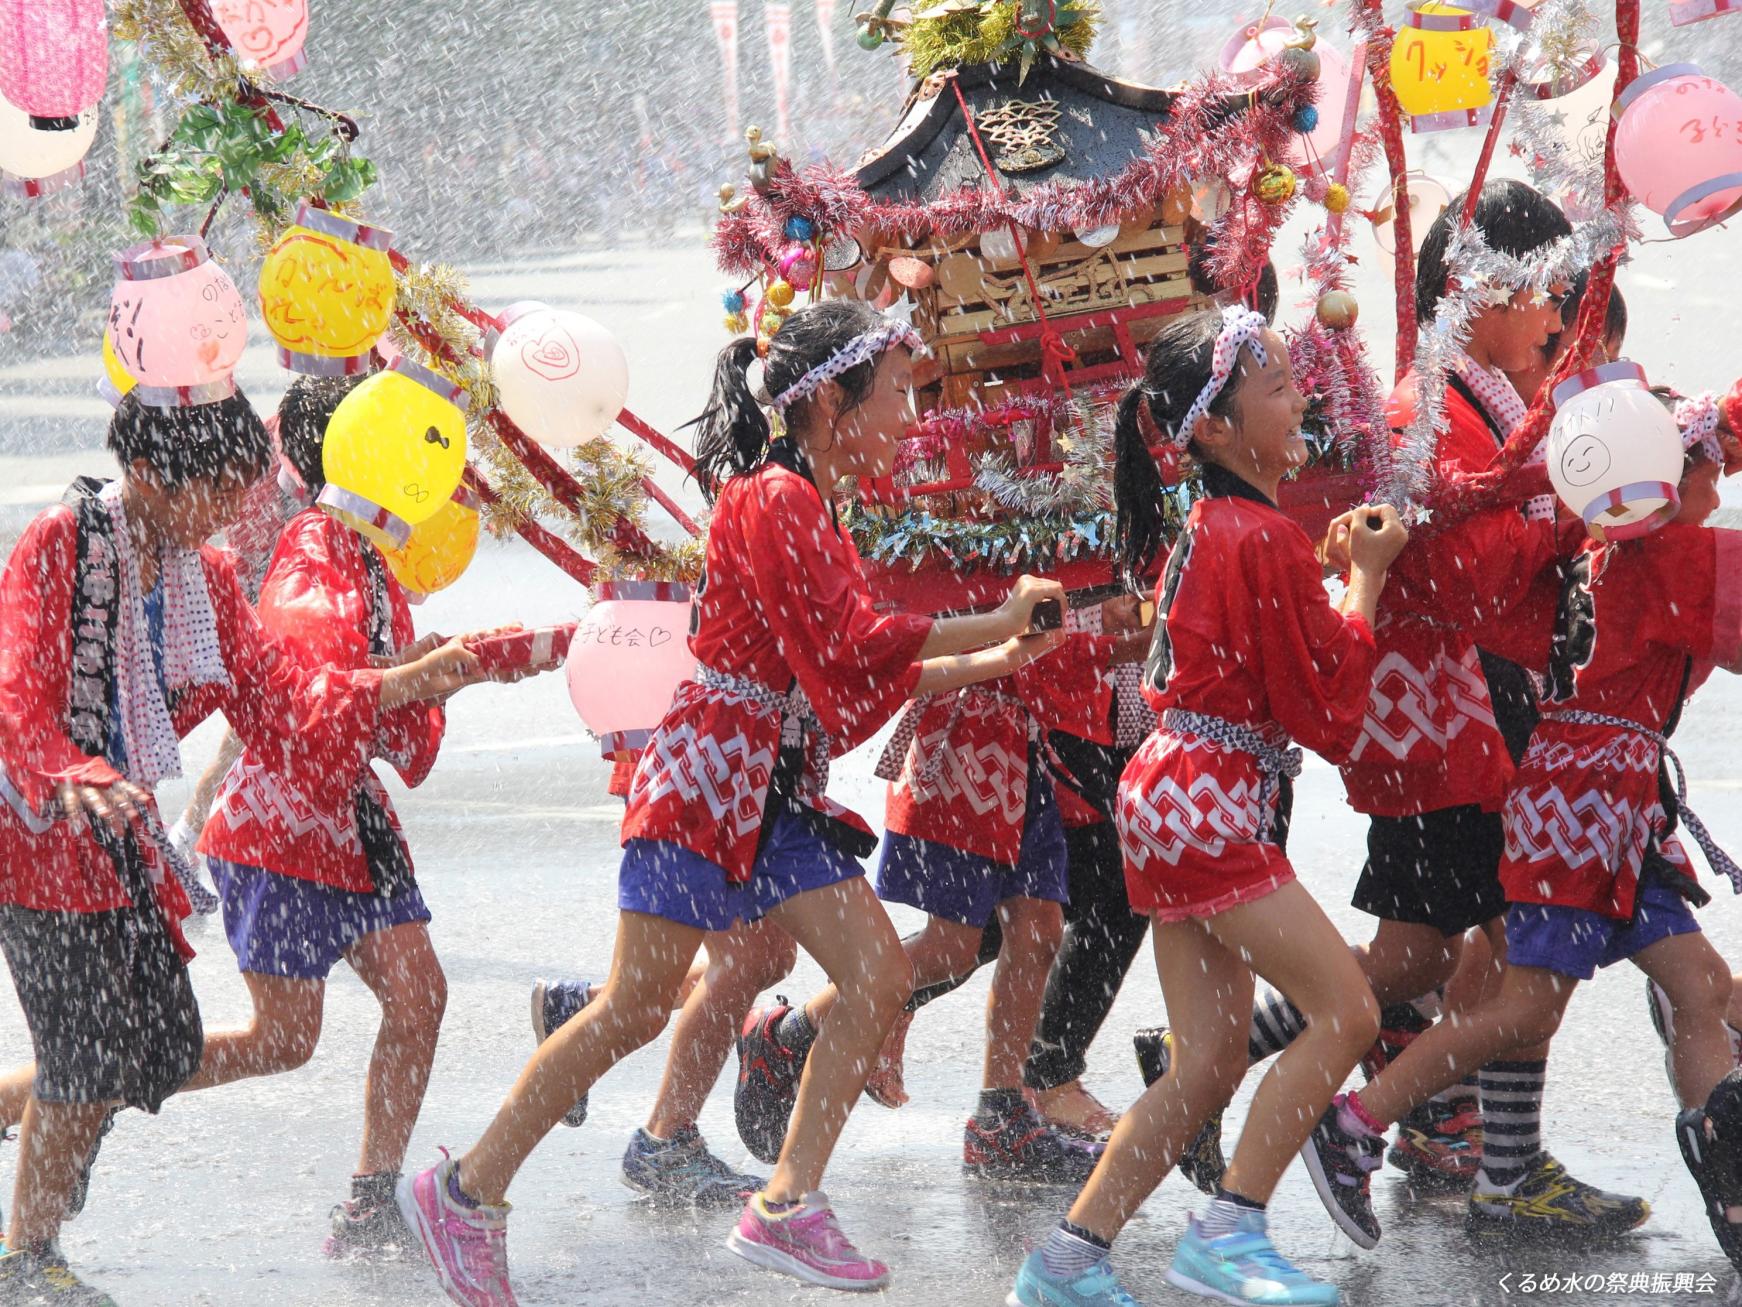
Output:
x=468 y=1246
x=805 y=1244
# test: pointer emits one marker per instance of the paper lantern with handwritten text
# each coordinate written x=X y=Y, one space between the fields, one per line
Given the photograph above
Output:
x=176 y=322
x=628 y=658
x=560 y=376
x=115 y=383
x=1678 y=145
x=267 y=34
x=1614 y=451
x=1440 y=65
x=394 y=452
x=326 y=293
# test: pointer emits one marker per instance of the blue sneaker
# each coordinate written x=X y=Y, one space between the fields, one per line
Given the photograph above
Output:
x=553 y=1003
x=1095 y=1287
x=1244 y=1267
x=681 y=1171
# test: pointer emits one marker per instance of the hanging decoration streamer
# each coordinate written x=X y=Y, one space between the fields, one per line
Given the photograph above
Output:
x=725 y=16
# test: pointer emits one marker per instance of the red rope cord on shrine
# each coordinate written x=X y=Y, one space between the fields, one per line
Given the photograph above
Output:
x=1397 y=163
x=554 y=549
x=1054 y=352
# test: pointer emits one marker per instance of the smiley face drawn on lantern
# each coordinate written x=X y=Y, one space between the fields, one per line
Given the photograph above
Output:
x=1584 y=460
x=265 y=31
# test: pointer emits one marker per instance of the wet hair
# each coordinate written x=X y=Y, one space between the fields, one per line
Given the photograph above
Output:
x=1615 y=323
x=733 y=432
x=1176 y=369
x=1264 y=296
x=303 y=415
x=184 y=445
x=1514 y=218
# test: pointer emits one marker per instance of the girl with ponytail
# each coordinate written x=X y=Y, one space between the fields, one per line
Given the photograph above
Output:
x=1248 y=653
x=728 y=817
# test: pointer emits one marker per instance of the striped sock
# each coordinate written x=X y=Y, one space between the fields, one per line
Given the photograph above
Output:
x=1463 y=1091
x=1276 y=1023
x=1511 y=1121
x=1224 y=1213
x=1070 y=1250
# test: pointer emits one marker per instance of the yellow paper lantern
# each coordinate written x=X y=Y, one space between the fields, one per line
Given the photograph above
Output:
x=394 y=452
x=326 y=292
x=116 y=382
x=441 y=549
x=1440 y=64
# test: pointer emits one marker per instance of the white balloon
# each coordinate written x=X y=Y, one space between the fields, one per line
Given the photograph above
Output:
x=561 y=377
x=1615 y=455
x=1427 y=197
x=31 y=154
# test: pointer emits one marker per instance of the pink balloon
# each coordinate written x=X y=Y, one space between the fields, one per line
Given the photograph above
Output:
x=628 y=658
x=1679 y=147
x=177 y=321
x=1244 y=56
x=54 y=58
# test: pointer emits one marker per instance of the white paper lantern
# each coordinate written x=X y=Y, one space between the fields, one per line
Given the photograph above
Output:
x=628 y=658
x=562 y=377
x=1614 y=451
x=35 y=162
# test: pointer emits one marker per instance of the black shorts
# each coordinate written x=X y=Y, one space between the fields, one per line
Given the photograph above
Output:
x=111 y=1012
x=1441 y=869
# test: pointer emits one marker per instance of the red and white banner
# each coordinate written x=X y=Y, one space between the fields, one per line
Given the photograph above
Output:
x=826 y=30
x=777 y=14
x=725 y=16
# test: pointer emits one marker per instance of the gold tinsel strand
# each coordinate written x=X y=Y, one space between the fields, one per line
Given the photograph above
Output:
x=175 y=50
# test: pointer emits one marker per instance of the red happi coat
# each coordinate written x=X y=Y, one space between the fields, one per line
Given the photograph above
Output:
x=1247 y=635
x=782 y=605
x=1642 y=623
x=317 y=603
x=313 y=726
x=1429 y=739
x=964 y=776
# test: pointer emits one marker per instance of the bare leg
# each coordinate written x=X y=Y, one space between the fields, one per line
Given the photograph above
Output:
x=941 y=951
x=845 y=928
x=52 y=1148
x=1406 y=960
x=742 y=962
x=648 y=965
x=281 y=1037
x=1033 y=929
x=400 y=968
x=1293 y=945
x=1208 y=990
x=1698 y=984
x=1524 y=1014
x=15 y=1094
x=1475 y=966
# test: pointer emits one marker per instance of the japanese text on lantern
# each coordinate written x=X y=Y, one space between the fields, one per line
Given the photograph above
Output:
x=626 y=636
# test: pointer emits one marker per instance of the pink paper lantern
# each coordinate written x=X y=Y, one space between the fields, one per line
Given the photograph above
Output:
x=54 y=59
x=1683 y=12
x=266 y=33
x=1243 y=58
x=177 y=322
x=1679 y=147
x=628 y=658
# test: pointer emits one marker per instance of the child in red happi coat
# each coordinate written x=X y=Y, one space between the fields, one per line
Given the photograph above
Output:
x=120 y=631
x=973 y=833
x=1248 y=653
x=728 y=817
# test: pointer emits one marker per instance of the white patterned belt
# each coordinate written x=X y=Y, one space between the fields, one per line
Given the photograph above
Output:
x=1273 y=763
x=889 y=762
x=1720 y=861
x=799 y=724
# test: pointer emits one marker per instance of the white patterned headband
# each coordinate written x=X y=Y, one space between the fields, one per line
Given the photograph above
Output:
x=1697 y=416
x=864 y=346
x=1241 y=326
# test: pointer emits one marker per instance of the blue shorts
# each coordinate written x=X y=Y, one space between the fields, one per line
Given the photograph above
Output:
x=968 y=887
x=1576 y=941
x=666 y=880
x=299 y=929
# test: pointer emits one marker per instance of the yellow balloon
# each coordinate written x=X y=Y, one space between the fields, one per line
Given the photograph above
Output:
x=326 y=293
x=116 y=380
x=394 y=452
x=1443 y=67
x=439 y=550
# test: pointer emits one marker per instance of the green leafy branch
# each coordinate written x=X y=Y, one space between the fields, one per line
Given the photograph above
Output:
x=232 y=148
